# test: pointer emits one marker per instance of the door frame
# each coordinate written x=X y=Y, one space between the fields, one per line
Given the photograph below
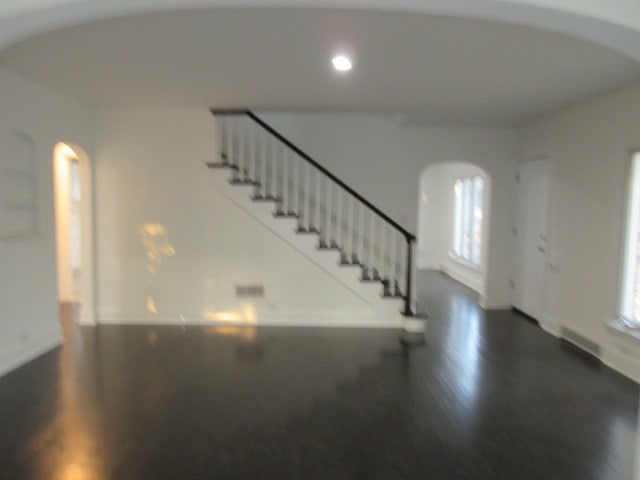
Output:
x=87 y=294
x=549 y=264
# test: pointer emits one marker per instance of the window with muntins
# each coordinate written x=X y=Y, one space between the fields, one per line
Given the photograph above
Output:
x=467 y=219
x=630 y=298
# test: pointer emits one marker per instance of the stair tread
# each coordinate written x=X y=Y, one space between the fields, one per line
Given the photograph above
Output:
x=384 y=295
x=239 y=181
x=319 y=247
x=285 y=215
x=369 y=280
x=260 y=198
x=214 y=165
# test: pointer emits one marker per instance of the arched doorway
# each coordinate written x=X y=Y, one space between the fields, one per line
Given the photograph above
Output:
x=453 y=223
x=74 y=232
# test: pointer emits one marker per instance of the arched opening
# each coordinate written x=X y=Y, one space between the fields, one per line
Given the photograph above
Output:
x=453 y=223
x=74 y=232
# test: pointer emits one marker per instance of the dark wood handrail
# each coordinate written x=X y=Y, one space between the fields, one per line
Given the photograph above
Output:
x=408 y=235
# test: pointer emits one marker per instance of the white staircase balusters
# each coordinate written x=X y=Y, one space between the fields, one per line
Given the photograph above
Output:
x=323 y=204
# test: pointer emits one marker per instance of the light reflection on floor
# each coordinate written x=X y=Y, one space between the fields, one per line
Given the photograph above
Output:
x=463 y=338
x=70 y=436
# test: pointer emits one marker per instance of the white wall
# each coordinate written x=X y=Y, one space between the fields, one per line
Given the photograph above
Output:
x=150 y=169
x=432 y=245
x=28 y=294
x=435 y=223
x=383 y=161
x=589 y=147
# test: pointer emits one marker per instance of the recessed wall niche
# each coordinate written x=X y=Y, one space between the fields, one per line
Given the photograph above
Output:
x=18 y=186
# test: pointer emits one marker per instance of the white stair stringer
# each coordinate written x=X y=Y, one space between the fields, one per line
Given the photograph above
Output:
x=386 y=312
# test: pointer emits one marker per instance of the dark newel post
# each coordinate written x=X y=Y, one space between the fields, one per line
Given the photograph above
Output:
x=407 y=300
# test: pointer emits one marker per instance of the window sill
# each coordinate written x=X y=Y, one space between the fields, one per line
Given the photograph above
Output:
x=619 y=327
x=464 y=263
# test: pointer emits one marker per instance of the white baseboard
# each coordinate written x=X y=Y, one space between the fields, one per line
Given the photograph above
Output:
x=550 y=325
x=354 y=319
x=31 y=352
x=87 y=319
x=458 y=277
x=622 y=353
x=482 y=301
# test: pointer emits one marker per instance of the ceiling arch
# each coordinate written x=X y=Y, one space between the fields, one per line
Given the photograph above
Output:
x=614 y=23
x=429 y=68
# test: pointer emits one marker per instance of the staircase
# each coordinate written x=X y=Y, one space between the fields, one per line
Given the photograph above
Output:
x=333 y=217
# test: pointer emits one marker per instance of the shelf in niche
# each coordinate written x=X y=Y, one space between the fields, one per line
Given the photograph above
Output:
x=15 y=172
x=19 y=208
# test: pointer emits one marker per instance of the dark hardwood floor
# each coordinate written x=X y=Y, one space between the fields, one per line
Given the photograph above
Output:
x=489 y=396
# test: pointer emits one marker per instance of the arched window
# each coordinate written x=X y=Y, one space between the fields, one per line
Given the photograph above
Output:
x=467 y=219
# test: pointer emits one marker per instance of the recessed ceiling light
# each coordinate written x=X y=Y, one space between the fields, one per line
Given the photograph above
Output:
x=341 y=63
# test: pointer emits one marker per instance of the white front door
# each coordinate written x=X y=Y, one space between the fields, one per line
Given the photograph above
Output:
x=531 y=237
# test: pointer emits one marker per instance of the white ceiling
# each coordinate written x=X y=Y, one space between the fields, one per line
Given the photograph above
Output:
x=426 y=68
